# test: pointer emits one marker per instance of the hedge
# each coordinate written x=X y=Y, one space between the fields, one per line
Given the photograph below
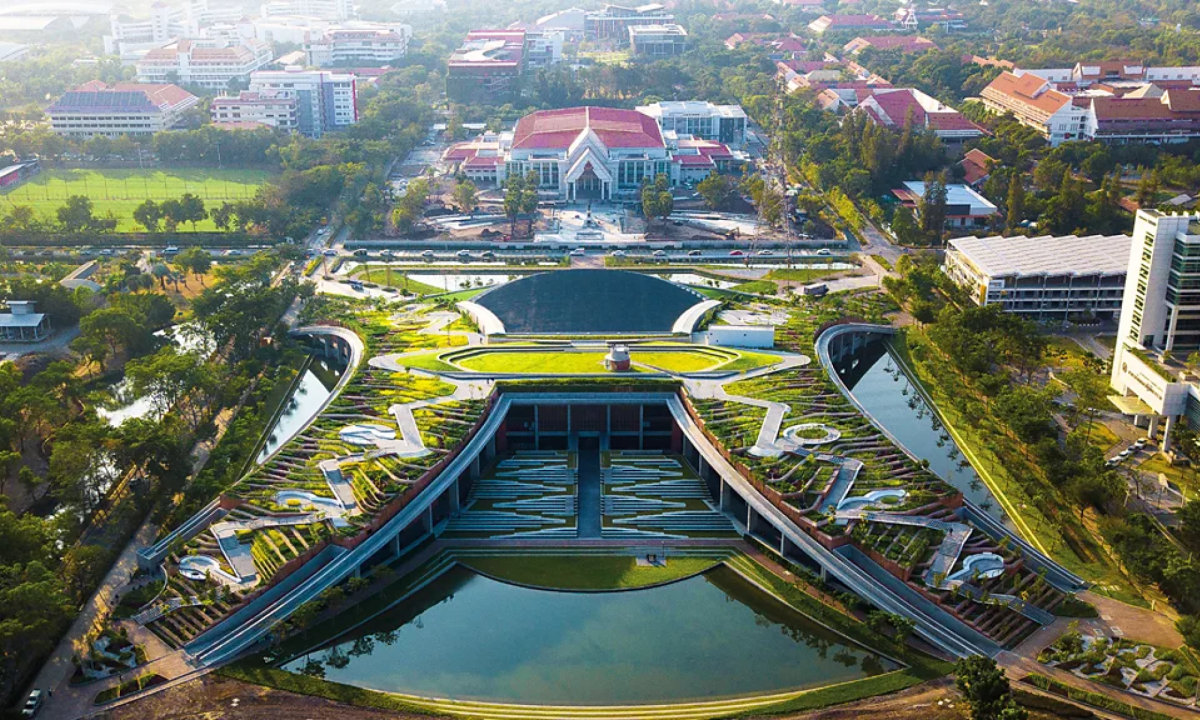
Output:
x=1103 y=702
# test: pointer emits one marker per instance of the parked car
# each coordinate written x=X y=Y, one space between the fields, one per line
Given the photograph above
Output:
x=361 y=252
x=356 y=285
x=1141 y=443
x=329 y=252
x=1126 y=453
x=33 y=703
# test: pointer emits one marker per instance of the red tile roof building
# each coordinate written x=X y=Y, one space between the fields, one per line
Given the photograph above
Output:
x=837 y=23
x=883 y=43
x=976 y=165
x=191 y=62
x=892 y=107
x=590 y=153
x=95 y=108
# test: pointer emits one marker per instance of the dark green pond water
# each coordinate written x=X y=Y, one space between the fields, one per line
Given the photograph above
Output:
x=469 y=637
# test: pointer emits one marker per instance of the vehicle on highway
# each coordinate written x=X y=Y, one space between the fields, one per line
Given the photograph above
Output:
x=171 y=250
x=736 y=253
x=765 y=252
x=329 y=252
x=694 y=253
x=33 y=703
x=427 y=254
x=361 y=252
x=617 y=253
x=578 y=252
x=824 y=251
x=659 y=253
x=356 y=285
x=385 y=253
x=106 y=252
x=488 y=255
x=463 y=254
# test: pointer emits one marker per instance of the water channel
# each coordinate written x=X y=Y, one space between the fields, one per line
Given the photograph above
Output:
x=886 y=392
x=470 y=637
x=310 y=393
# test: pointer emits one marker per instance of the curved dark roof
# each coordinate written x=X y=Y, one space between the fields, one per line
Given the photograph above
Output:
x=588 y=302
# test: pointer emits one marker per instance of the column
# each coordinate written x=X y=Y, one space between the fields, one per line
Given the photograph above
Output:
x=455 y=502
x=722 y=500
x=1166 y=443
x=394 y=543
x=642 y=426
x=1153 y=432
x=473 y=470
x=427 y=519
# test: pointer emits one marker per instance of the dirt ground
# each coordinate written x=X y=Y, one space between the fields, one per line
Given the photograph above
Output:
x=217 y=698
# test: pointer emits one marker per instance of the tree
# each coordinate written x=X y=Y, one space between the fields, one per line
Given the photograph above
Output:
x=718 y=191
x=1016 y=204
x=904 y=226
x=148 y=214
x=986 y=689
x=466 y=196
x=222 y=215
x=195 y=260
x=520 y=196
x=172 y=213
x=162 y=273
x=20 y=217
x=933 y=207
x=657 y=201
x=1147 y=189
x=77 y=214
x=191 y=209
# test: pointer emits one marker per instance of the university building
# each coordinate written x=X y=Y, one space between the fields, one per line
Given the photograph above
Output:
x=95 y=108
x=590 y=153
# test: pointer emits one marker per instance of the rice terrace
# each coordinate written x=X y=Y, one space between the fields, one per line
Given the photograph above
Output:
x=121 y=191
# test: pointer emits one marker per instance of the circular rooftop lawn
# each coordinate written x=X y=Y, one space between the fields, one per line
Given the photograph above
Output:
x=588 y=302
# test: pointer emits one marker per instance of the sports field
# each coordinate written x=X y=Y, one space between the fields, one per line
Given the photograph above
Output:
x=120 y=191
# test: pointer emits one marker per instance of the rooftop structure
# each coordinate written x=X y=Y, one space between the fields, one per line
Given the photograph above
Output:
x=883 y=43
x=892 y=108
x=847 y=23
x=131 y=37
x=976 y=165
x=657 y=40
x=1043 y=276
x=723 y=123
x=12 y=51
x=326 y=101
x=204 y=64
x=486 y=66
x=588 y=302
x=965 y=208
x=1035 y=103
x=324 y=9
x=613 y=21
x=357 y=42
x=95 y=108
x=591 y=153
x=912 y=18
x=22 y=324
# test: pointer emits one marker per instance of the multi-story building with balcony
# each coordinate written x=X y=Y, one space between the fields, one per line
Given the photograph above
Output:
x=358 y=43
x=204 y=64
x=325 y=101
x=265 y=108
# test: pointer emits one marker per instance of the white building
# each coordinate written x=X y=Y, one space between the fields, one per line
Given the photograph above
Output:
x=723 y=123
x=204 y=64
x=590 y=153
x=657 y=40
x=965 y=208
x=22 y=324
x=325 y=9
x=358 y=43
x=543 y=47
x=121 y=109
x=132 y=37
x=1042 y=277
x=1160 y=313
x=265 y=108
x=326 y=101
x=12 y=51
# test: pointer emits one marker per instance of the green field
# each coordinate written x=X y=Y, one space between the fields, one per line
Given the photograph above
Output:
x=120 y=191
x=537 y=360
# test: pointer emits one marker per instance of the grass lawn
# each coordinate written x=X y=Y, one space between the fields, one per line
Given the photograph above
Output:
x=428 y=361
x=379 y=275
x=585 y=572
x=676 y=361
x=1066 y=353
x=120 y=191
x=1099 y=435
x=758 y=287
x=535 y=362
x=798 y=274
x=614 y=57
x=1183 y=476
x=750 y=360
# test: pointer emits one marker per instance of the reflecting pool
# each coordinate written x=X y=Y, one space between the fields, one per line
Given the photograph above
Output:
x=467 y=636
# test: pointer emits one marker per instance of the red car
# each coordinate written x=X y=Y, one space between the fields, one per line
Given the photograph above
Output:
x=736 y=253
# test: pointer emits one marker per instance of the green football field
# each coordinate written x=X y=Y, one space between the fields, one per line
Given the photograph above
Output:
x=120 y=191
